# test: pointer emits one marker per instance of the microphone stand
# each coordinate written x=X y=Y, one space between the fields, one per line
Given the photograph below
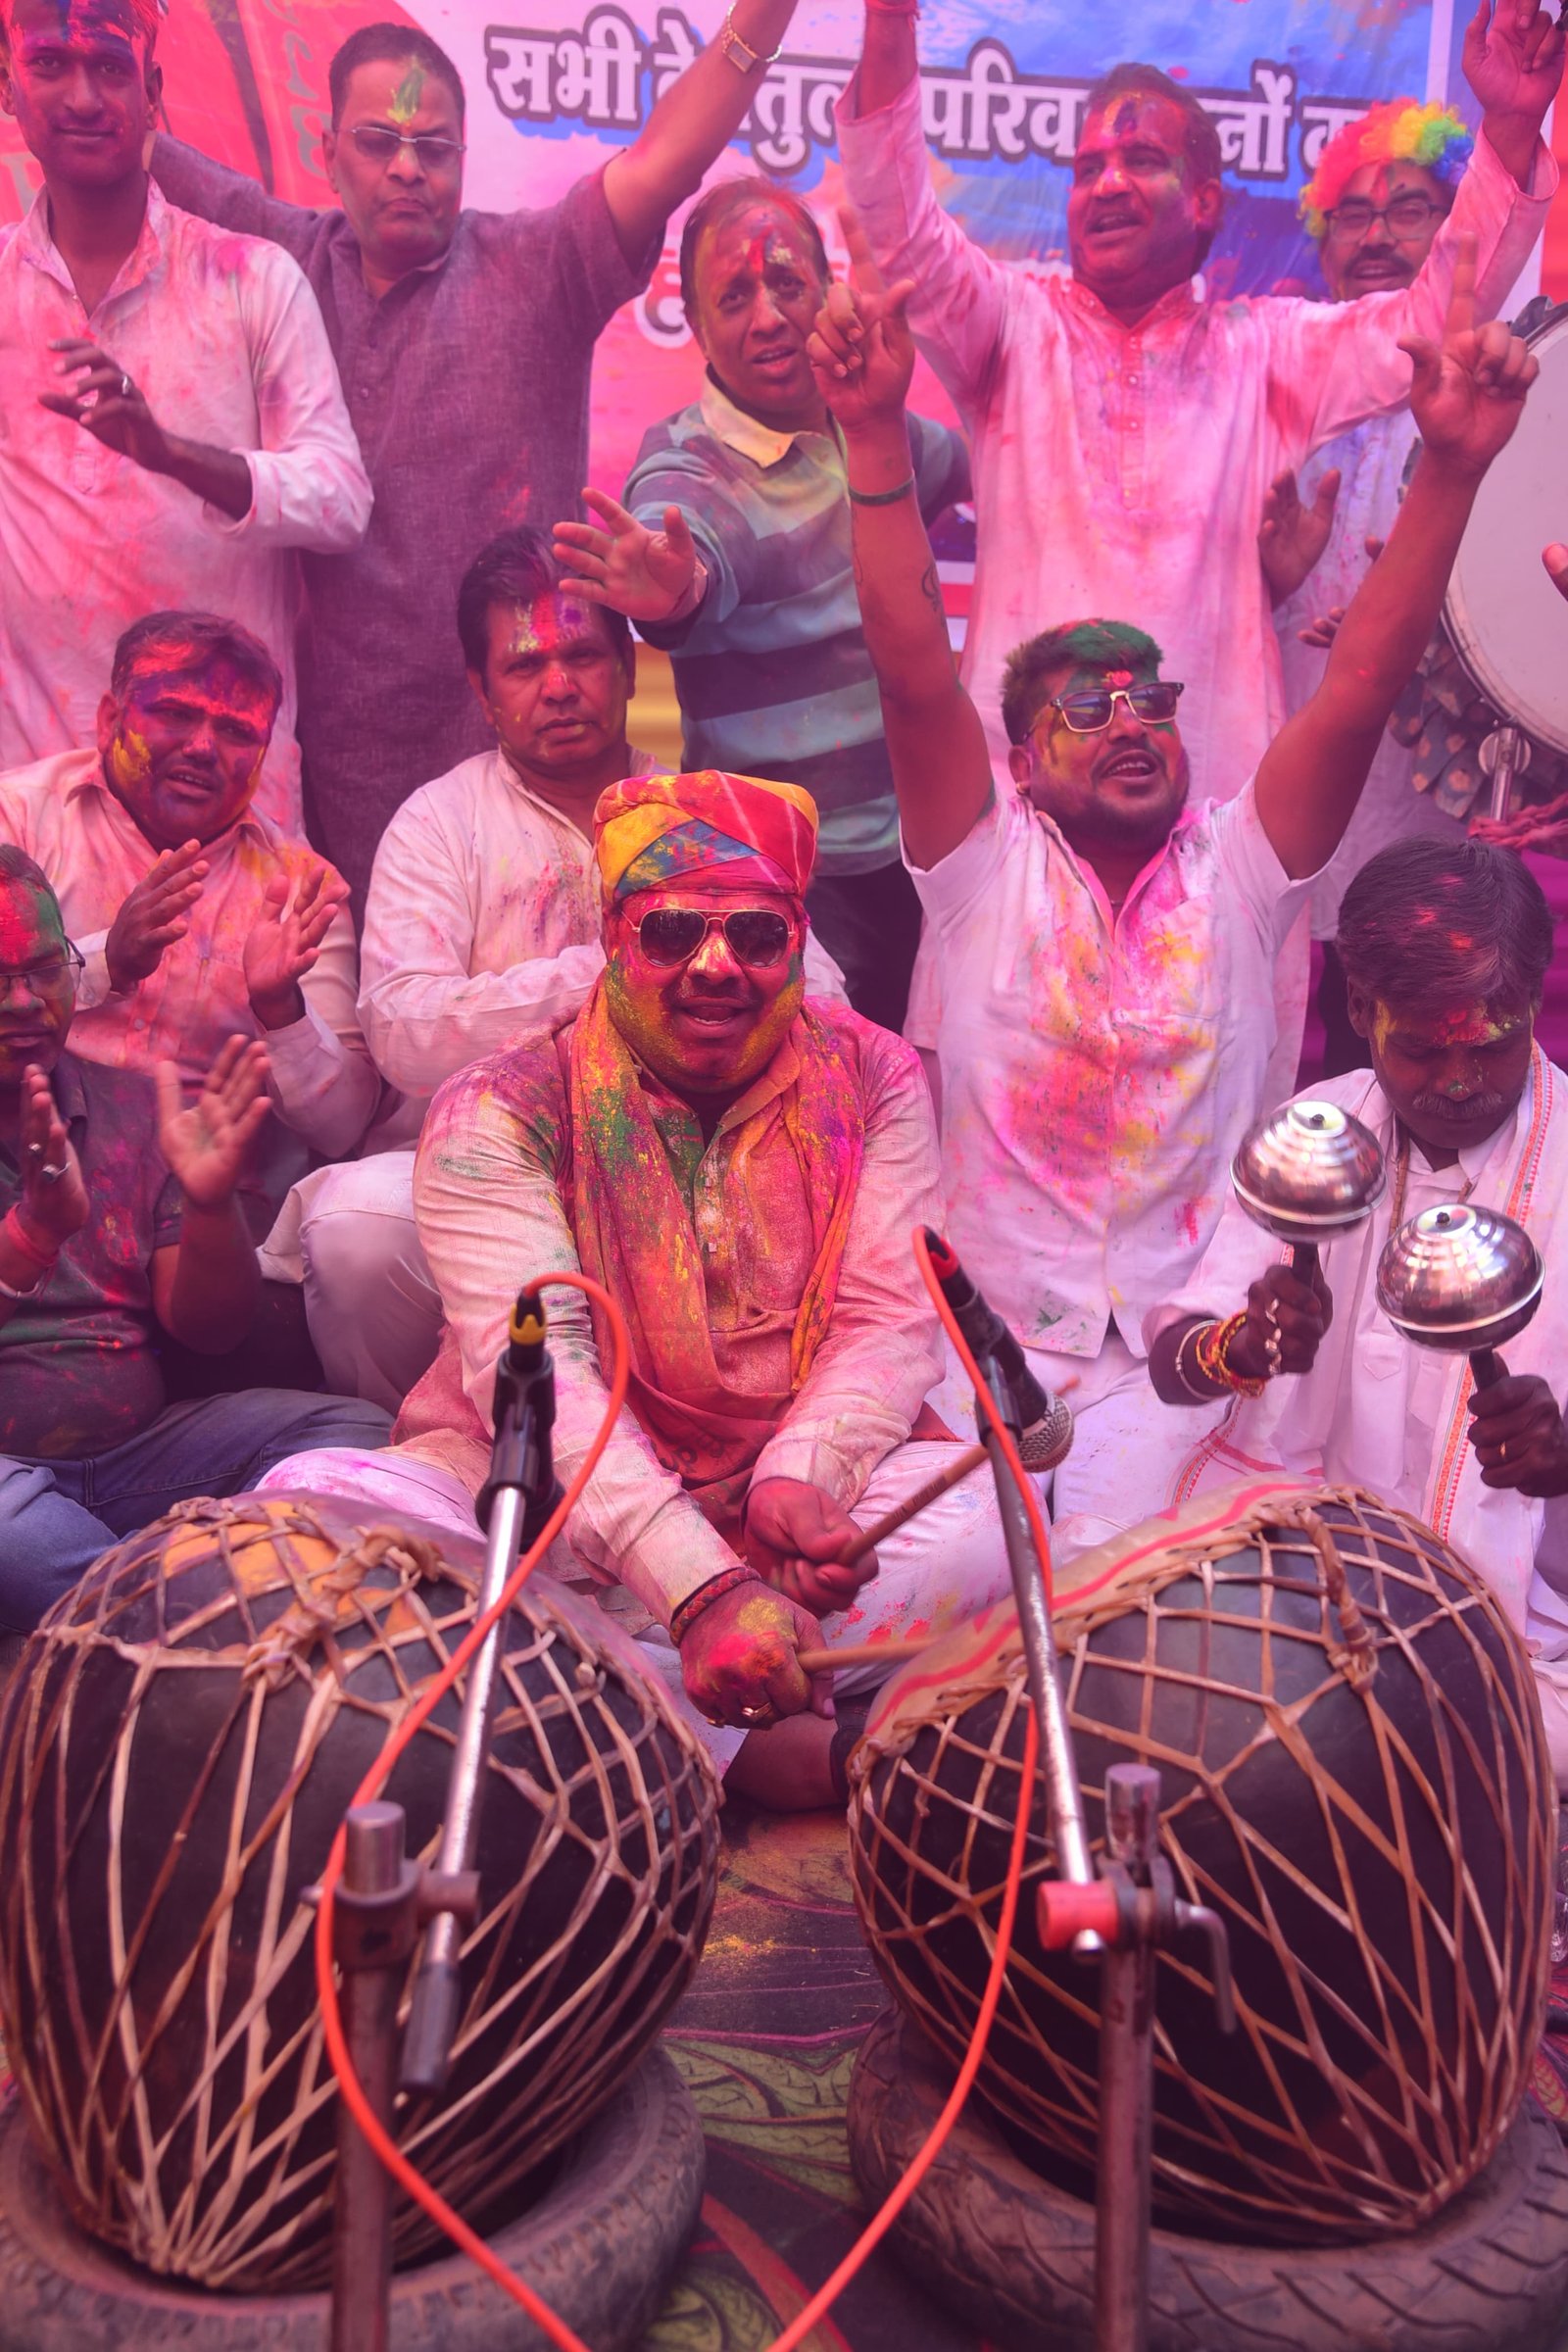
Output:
x=1122 y=1915
x=384 y=1899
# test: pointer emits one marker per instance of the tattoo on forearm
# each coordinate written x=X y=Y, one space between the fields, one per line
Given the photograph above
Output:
x=931 y=589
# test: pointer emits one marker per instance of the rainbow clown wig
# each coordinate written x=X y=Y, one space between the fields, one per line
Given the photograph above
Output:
x=1399 y=131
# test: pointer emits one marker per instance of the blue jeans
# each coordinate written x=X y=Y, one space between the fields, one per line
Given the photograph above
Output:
x=55 y=1517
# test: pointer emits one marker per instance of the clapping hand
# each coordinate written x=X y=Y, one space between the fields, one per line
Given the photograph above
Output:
x=861 y=348
x=204 y=1146
x=646 y=574
x=53 y=1198
x=155 y=914
x=1468 y=395
x=1292 y=537
x=285 y=941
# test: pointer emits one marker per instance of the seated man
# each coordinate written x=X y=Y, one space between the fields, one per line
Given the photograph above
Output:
x=1104 y=959
x=176 y=431
x=481 y=930
x=1444 y=947
x=743 y=1169
x=735 y=554
x=199 y=919
x=119 y=1218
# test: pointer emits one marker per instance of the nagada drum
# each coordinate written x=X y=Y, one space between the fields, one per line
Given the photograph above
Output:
x=1354 y=1774
x=181 y=1739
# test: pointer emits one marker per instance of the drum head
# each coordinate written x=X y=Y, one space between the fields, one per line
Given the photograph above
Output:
x=1507 y=619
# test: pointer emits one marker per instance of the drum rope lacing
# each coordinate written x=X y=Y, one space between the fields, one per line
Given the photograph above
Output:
x=413 y=2182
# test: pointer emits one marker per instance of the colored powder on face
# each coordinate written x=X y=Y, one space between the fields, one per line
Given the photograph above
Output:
x=129 y=758
x=406 y=97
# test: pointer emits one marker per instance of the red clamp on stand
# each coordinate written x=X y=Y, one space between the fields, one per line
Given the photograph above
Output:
x=1134 y=1910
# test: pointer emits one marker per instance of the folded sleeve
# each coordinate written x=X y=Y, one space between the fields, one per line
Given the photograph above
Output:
x=958 y=310
x=321 y=1079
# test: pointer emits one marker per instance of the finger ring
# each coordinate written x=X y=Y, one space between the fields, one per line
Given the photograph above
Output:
x=50 y=1175
x=35 y=1150
x=750 y=1714
x=126 y=387
x=1503 y=1451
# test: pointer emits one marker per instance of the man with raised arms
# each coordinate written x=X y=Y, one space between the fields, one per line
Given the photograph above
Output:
x=1125 y=431
x=743 y=1167
x=174 y=426
x=1104 y=956
x=1445 y=948
x=466 y=341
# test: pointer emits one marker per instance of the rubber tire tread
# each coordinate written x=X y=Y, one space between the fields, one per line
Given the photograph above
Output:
x=1010 y=2254
x=599 y=2247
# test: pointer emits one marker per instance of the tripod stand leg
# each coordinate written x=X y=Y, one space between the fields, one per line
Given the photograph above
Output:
x=1126 y=2075
x=361 y=2229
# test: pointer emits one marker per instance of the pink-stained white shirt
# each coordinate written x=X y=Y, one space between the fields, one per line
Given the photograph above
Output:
x=482 y=926
x=1120 y=471
x=1098 y=1075
x=1376 y=1411
x=490 y=1214
x=225 y=338
x=323 y=1082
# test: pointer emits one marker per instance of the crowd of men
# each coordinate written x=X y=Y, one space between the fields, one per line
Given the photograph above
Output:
x=355 y=966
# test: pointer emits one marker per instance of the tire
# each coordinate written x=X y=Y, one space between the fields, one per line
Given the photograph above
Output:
x=599 y=2247
x=1014 y=2258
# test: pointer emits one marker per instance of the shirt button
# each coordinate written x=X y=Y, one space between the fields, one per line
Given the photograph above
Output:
x=1135 y=380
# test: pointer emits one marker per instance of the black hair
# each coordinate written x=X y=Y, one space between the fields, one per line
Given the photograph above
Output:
x=389 y=45
x=1437 y=923
x=17 y=866
x=206 y=635
x=1090 y=644
x=715 y=206
x=516 y=568
x=1201 y=148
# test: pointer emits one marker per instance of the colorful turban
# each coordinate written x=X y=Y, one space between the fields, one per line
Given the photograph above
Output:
x=1399 y=131
x=650 y=830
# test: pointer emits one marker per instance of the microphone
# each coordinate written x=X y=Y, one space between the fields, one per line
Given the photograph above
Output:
x=524 y=1414
x=1042 y=1423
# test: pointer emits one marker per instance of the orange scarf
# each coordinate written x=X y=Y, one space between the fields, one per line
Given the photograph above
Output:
x=634 y=1233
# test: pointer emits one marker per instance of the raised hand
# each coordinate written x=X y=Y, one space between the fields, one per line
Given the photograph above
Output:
x=649 y=575
x=1292 y=537
x=861 y=349
x=1513 y=54
x=1468 y=395
x=105 y=403
x=155 y=914
x=285 y=942
x=53 y=1198
x=794 y=1536
x=206 y=1145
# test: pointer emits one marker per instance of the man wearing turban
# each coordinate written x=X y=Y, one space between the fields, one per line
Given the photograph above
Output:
x=742 y=1168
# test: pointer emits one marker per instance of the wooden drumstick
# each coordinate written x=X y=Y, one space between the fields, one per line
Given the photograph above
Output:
x=863 y=1653
x=970 y=1458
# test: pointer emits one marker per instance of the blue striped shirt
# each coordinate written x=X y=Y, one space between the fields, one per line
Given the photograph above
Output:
x=771 y=670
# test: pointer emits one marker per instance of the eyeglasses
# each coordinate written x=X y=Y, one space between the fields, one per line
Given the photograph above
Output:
x=378 y=143
x=46 y=974
x=756 y=936
x=1405 y=216
x=1090 y=714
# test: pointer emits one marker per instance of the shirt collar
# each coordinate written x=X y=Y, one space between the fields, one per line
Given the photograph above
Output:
x=762 y=443
x=1179 y=302
x=143 y=260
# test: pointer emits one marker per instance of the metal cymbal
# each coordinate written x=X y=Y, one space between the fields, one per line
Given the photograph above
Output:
x=1460 y=1277
x=1308 y=1172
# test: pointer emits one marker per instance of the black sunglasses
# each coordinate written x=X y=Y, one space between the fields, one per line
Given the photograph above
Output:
x=756 y=936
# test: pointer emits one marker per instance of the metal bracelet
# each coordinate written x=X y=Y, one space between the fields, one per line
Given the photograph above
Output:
x=881 y=498
x=1197 y=1395
x=734 y=45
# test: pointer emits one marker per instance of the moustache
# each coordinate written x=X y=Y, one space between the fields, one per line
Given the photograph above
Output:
x=1473 y=1107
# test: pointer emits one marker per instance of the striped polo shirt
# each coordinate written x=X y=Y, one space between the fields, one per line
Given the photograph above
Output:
x=771 y=670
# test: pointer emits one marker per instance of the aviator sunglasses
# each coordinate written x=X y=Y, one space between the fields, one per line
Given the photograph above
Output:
x=756 y=936
x=1090 y=714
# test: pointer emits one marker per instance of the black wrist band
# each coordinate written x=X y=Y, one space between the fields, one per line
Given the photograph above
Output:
x=881 y=498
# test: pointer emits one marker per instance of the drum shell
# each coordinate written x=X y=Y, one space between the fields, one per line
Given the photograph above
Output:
x=1380 y=1852
x=163 y=1812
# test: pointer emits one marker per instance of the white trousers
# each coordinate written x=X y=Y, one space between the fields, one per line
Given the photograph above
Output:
x=934 y=1572
x=348 y=1234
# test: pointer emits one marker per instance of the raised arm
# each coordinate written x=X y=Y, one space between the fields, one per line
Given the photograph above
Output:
x=230 y=199
x=692 y=125
x=864 y=354
x=1466 y=398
